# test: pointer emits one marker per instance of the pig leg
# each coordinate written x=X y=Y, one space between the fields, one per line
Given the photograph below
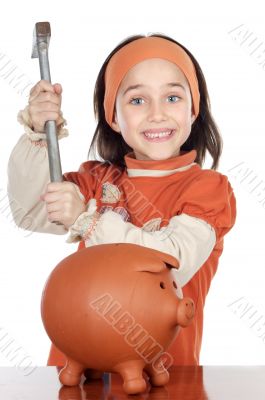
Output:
x=158 y=374
x=132 y=374
x=71 y=374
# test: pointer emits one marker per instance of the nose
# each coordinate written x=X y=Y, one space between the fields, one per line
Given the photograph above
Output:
x=189 y=305
x=185 y=313
x=156 y=112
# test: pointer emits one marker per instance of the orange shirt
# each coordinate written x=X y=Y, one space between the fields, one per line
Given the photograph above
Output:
x=147 y=190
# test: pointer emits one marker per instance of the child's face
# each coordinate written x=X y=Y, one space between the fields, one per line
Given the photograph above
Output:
x=154 y=105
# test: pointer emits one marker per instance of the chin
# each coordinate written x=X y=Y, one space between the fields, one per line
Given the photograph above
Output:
x=157 y=156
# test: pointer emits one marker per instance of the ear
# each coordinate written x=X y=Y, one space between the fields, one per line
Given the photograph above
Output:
x=192 y=118
x=158 y=262
x=115 y=125
x=169 y=260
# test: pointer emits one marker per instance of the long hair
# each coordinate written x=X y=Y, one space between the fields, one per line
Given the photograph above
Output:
x=111 y=146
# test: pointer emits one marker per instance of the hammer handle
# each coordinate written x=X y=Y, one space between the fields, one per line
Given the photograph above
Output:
x=50 y=126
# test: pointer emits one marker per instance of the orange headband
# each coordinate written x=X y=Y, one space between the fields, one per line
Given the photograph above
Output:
x=140 y=50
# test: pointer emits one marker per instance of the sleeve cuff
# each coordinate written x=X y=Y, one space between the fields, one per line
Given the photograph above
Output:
x=24 y=119
x=85 y=224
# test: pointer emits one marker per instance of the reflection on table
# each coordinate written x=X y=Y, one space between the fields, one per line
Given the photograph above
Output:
x=186 y=383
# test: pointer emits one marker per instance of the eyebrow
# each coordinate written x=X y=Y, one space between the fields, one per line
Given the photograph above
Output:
x=170 y=84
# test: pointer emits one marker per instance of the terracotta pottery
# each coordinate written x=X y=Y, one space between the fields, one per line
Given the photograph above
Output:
x=115 y=308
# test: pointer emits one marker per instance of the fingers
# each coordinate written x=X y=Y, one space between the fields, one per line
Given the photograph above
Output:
x=52 y=197
x=45 y=97
x=53 y=207
x=55 y=216
x=60 y=186
x=63 y=202
x=45 y=86
x=54 y=191
x=41 y=86
x=55 y=199
x=45 y=104
x=39 y=119
x=58 y=88
x=48 y=111
x=43 y=91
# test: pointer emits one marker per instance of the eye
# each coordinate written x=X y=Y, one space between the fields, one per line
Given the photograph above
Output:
x=135 y=101
x=173 y=97
x=175 y=285
x=162 y=285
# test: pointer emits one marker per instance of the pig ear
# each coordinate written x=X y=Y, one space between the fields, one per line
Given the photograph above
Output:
x=158 y=262
x=171 y=261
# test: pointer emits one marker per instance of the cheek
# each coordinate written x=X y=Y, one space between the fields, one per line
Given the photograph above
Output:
x=123 y=117
x=184 y=117
x=128 y=120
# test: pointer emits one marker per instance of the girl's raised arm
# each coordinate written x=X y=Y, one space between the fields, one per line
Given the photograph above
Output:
x=28 y=168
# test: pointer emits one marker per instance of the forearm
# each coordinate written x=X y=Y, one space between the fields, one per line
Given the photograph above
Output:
x=28 y=175
x=190 y=240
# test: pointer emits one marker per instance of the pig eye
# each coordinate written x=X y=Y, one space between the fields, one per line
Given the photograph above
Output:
x=175 y=285
x=162 y=285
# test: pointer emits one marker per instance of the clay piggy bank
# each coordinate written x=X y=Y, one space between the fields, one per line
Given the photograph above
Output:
x=115 y=308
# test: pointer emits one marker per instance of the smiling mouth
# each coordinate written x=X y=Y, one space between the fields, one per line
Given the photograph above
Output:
x=159 y=137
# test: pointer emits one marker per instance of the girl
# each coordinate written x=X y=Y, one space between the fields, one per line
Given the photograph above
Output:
x=149 y=188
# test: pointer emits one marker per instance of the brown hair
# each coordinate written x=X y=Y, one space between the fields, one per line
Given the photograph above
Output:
x=204 y=134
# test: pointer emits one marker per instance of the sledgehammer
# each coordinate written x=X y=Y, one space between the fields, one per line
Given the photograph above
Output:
x=41 y=39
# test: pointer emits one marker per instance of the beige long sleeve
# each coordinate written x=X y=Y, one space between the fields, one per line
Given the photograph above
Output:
x=28 y=175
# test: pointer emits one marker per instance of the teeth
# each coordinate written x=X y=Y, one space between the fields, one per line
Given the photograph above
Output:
x=155 y=135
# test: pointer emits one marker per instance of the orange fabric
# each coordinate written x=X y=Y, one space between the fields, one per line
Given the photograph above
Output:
x=140 y=50
x=205 y=194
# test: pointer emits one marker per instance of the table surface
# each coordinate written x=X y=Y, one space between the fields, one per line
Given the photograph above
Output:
x=186 y=383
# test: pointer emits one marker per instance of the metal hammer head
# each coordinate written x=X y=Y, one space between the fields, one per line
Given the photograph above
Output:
x=42 y=33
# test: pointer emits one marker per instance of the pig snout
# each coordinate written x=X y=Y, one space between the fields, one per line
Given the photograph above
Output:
x=185 y=313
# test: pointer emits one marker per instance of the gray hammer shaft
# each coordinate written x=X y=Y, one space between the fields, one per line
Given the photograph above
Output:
x=50 y=126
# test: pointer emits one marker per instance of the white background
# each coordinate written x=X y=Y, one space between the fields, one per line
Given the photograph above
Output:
x=83 y=34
